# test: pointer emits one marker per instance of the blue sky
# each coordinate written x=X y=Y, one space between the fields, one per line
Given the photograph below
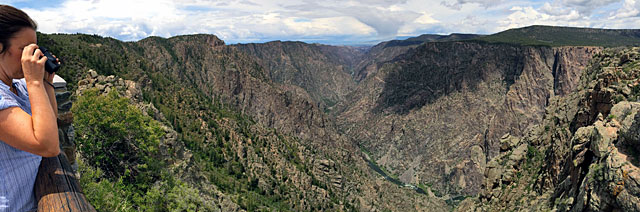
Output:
x=321 y=21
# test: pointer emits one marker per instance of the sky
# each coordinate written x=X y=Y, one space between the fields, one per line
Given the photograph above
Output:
x=337 y=22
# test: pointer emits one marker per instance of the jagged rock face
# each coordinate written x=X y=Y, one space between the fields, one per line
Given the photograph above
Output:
x=435 y=114
x=322 y=71
x=583 y=156
x=568 y=66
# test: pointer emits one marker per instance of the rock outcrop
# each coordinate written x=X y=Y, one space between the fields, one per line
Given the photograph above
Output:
x=584 y=155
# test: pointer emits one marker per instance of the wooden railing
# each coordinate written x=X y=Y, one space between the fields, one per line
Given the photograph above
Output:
x=56 y=187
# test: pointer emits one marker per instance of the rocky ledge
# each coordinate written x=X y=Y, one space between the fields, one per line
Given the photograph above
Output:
x=584 y=156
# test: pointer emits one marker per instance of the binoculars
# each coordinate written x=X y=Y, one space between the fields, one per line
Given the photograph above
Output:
x=51 y=65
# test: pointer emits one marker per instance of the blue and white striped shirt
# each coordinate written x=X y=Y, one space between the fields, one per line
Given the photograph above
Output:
x=18 y=169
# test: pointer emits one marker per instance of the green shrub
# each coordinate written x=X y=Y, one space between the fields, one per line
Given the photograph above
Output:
x=103 y=194
x=116 y=137
x=168 y=194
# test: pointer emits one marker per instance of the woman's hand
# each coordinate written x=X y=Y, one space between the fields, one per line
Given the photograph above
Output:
x=33 y=63
x=49 y=77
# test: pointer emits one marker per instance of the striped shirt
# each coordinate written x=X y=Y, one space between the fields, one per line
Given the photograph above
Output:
x=18 y=169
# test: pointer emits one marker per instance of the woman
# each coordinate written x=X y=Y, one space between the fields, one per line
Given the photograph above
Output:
x=28 y=128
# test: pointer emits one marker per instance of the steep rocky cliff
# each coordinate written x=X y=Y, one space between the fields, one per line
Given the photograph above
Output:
x=583 y=156
x=434 y=115
x=322 y=71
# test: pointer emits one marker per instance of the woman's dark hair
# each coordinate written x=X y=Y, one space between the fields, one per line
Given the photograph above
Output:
x=12 y=20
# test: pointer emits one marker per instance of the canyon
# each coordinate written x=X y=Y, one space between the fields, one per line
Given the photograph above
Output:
x=451 y=115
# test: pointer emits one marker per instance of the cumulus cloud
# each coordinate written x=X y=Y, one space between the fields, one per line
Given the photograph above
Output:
x=235 y=20
x=630 y=8
x=525 y=16
x=386 y=22
x=577 y=13
x=120 y=18
x=385 y=17
x=424 y=22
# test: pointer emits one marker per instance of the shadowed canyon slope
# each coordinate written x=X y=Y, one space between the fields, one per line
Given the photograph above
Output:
x=385 y=51
x=434 y=115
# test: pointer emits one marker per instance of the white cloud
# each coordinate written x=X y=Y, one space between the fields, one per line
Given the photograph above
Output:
x=426 y=19
x=386 y=22
x=423 y=22
x=118 y=18
x=235 y=20
x=630 y=8
x=527 y=16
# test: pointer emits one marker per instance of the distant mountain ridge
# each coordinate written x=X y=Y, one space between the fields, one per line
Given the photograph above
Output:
x=565 y=36
x=430 y=38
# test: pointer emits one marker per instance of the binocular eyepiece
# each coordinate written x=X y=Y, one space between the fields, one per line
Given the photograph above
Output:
x=51 y=65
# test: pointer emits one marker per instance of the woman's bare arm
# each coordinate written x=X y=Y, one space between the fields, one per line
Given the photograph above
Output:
x=38 y=133
x=19 y=131
x=51 y=93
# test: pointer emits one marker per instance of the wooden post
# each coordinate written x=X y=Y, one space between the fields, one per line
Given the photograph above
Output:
x=56 y=186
